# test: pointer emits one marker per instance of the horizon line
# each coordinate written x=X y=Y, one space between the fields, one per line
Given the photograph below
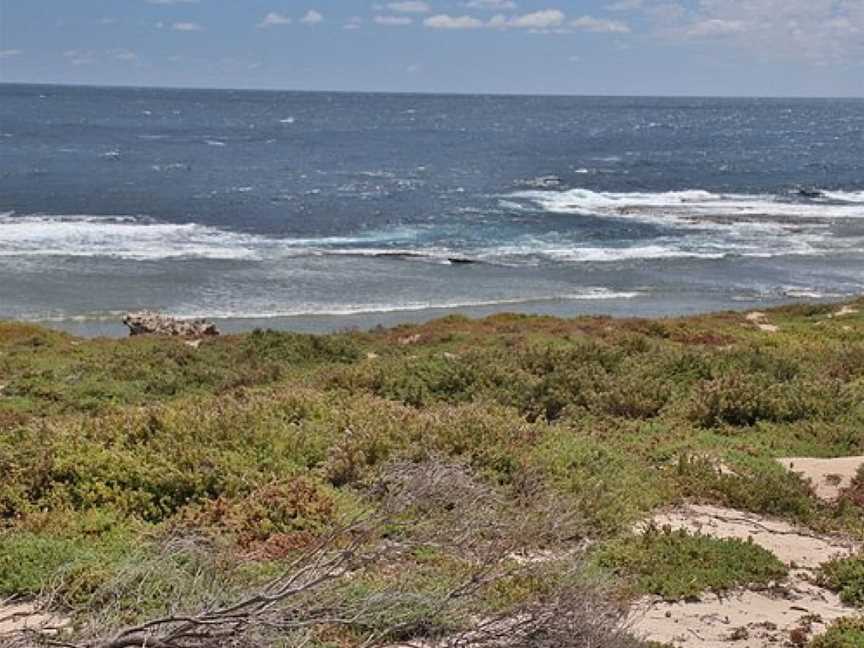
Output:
x=122 y=86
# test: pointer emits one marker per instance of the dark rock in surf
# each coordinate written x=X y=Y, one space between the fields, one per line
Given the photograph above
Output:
x=150 y=323
x=543 y=182
x=810 y=193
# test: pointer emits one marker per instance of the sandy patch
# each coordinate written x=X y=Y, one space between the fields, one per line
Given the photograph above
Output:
x=26 y=616
x=745 y=618
x=760 y=321
x=828 y=476
x=846 y=310
x=796 y=547
x=741 y=618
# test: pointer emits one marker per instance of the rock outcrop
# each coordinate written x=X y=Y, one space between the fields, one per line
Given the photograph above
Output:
x=150 y=323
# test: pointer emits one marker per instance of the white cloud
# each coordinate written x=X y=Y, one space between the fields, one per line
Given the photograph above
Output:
x=625 y=5
x=715 y=27
x=546 y=19
x=312 y=17
x=497 y=5
x=80 y=57
x=445 y=21
x=821 y=32
x=126 y=55
x=666 y=14
x=187 y=27
x=410 y=6
x=588 y=23
x=9 y=53
x=273 y=19
x=393 y=21
x=354 y=22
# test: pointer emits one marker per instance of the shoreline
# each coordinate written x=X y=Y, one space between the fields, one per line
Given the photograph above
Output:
x=642 y=306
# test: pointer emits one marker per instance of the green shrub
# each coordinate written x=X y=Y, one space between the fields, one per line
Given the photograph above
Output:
x=677 y=565
x=758 y=485
x=743 y=399
x=76 y=559
x=609 y=489
x=293 y=348
x=845 y=633
x=845 y=576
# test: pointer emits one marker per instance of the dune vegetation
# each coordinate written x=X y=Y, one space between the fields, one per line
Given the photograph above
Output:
x=472 y=479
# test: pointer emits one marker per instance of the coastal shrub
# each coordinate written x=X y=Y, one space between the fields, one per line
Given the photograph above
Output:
x=273 y=517
x=677 y=565
x=758 y=485
x=66 y=376
x=741 y=399
x=608 y=488
x=211 y=467
x=151 y=462
x=855 y=492
x=846 y=577
x=843 y=633
x=425 y=381
x=73 y=559
x=296 y=349
x=486 y=436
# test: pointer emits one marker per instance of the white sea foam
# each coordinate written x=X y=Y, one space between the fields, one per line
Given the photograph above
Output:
x=845 y=196
x=139 y=238
x=328 y=310
x=810 y=293
x=120 y=237
x=217 y=143
x=690 y=208
x=585 y=294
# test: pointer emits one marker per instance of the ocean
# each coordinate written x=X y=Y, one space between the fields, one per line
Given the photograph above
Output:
x=323 y=211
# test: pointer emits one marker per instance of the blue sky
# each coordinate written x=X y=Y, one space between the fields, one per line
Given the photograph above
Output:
x=656 y=47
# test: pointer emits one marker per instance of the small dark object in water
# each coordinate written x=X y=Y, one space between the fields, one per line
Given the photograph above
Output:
x=809 y=193
x=543 y=182
x=461 y=260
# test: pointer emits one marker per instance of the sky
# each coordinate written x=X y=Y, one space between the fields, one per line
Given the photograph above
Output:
x=594 y=47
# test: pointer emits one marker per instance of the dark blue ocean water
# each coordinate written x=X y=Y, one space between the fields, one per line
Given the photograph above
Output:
x=330 y=209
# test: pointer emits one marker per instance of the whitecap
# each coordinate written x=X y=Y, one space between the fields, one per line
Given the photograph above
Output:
x=215 y=143
x=142 y=238
x=845 y=196
x=809 y=293
x=695 y=207
x=124 y=237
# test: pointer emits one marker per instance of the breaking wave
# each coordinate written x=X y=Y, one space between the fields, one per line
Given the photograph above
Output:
x=698 y=208
x=141 y=238
x=694 y=224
